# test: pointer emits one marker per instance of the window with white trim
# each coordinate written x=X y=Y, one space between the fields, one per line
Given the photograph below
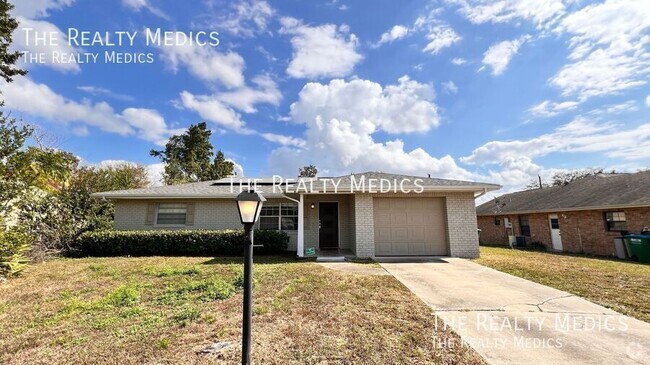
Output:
x=172 y=213
x=615 y=221
x=279 y=217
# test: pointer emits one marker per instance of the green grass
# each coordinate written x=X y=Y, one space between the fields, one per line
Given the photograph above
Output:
x=623 y=286
x=166 y=309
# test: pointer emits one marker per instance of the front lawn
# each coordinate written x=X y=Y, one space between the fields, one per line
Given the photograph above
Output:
x=165 y=309
x=623 y=286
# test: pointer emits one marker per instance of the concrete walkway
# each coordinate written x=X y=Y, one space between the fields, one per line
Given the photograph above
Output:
x=510 y=320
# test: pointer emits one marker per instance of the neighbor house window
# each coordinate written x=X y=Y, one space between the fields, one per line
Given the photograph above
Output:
x=523 y=224
x=172 y=213
x=497 y=221
x=615 y=221
x=279 y=217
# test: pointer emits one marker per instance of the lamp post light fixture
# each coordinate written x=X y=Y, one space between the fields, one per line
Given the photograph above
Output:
x=249 y=204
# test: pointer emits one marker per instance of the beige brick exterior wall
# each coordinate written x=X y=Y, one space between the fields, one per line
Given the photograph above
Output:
x=356 y=222
x=352 y=221
x=462 y=228
x=364 y=226
x=209 y=214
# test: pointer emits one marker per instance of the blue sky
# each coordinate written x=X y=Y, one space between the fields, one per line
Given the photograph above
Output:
x=498 y=91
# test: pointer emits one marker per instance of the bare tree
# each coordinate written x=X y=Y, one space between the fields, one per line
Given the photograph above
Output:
x=565 y=178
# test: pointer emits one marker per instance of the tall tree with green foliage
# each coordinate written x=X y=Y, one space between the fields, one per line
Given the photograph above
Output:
x=56 y=219
x=25 y=168
x=12 y=140
x=12 y=135
x=222 y=167
x=8 y=59
x=188 y=157
x=308 y=171
x=13 y=244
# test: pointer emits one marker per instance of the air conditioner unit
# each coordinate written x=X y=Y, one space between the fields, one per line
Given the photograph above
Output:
x=508 y=224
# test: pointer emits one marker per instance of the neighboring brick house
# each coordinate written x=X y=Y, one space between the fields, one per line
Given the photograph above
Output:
x=581 y=217
x=417 y=216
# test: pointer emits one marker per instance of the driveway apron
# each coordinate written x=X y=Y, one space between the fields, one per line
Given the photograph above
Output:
x=510 y=320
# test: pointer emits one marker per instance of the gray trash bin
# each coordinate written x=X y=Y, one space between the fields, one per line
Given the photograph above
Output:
x=619 y=246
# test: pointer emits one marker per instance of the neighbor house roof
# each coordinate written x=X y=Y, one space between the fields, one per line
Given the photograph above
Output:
x=601 y=191
x=230 y=187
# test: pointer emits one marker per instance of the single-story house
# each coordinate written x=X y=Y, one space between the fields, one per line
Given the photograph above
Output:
x=368 y=214
x=583 y=216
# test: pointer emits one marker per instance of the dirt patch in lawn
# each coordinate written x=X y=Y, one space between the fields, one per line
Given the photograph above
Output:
x=165 y=310
x=371 y=268
x=623 y=286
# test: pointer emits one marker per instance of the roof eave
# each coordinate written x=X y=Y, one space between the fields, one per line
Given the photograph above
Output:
x=573 y=209
x=477 y=188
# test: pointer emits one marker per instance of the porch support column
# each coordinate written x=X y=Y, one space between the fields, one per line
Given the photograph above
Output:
x=301 y=227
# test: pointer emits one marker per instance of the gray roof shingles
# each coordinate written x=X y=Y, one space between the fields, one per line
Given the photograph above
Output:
x=599 y=191
x=222 y=189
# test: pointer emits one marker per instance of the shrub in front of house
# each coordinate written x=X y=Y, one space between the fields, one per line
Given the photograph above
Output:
x=178 y=243
x=14 y=246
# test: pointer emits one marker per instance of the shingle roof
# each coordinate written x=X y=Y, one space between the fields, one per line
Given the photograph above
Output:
x=599 y=191
x=427 y=182
x=223 y=189
x=204 y=189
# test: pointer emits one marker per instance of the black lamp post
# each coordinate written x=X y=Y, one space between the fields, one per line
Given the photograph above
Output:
x=249 y=204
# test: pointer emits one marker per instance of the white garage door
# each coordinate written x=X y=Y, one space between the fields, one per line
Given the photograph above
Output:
x=410 y=226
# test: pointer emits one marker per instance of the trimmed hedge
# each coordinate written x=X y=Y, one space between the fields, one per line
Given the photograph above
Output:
x=178 y=243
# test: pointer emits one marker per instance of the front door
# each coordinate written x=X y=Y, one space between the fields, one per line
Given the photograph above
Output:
x=556 y=237
x=328 y=225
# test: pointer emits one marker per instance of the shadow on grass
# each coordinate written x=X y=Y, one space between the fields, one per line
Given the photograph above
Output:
x=274 y=259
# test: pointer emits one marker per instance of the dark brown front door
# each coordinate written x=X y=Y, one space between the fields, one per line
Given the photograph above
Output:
x=328 y=223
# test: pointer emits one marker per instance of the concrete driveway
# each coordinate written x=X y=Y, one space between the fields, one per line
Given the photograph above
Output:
x=510 y=320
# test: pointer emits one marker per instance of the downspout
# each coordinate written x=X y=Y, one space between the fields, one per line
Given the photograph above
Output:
x=582 y=249
x=481 y=193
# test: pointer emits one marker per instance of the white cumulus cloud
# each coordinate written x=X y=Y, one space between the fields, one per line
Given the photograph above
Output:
x=405 y=107
x=320 y=51
x=138 y=5
x=458 y=61
x=244 y=18
x=205 y=63
x=38 y=100
x=609 y=49
x=395 y=33
x=24 y=41
x=36 y=9
x=212 y=109
x=450 y=87
x=440 y=37
x=543 y=13
x=498 y=56
x=223 y=108
x=547 y=108
x=342 y=117
x=580 y=135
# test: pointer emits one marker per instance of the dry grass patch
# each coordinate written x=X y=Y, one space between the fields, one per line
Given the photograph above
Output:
x=163 y=310
x=623 y=286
